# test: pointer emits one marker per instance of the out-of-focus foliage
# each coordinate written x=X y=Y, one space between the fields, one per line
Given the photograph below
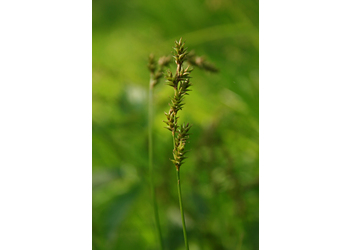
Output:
x=220 y=177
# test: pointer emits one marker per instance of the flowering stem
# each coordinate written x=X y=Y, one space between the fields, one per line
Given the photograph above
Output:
x=181 y=209
x=150 y=161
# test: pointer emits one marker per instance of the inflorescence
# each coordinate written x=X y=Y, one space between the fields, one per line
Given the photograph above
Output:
x=181 y=83
x=157 y=70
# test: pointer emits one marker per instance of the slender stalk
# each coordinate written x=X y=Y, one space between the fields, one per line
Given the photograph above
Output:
x=181 y=209
x=181 y=83
x=150 y=161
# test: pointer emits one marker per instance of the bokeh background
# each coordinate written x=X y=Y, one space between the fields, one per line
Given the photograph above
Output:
x=220 y=179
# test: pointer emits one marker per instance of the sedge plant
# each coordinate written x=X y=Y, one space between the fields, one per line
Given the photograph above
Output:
x=156 y=72
x=181 y=83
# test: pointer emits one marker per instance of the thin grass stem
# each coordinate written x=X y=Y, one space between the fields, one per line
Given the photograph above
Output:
x=181 y=209
x=150 y=161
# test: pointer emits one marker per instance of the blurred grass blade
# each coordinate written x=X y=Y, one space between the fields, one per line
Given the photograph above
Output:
x=118 y=210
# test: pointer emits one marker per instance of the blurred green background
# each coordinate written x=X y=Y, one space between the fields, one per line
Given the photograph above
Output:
x=220 y=179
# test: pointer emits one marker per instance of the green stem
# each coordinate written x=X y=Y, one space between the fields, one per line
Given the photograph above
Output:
x=150 y=161
x=181 y=209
